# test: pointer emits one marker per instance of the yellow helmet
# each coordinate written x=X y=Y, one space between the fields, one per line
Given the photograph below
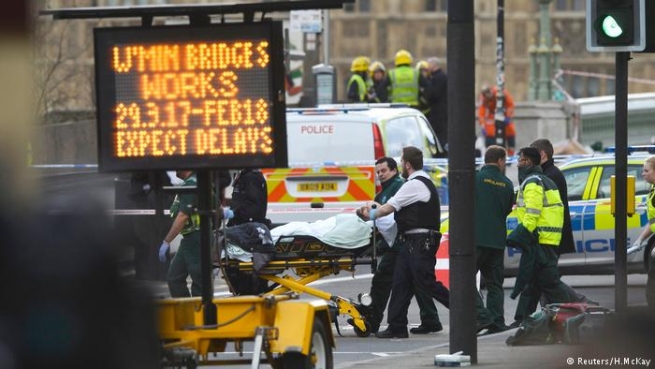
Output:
x=376 y=66
x=360 y=64
x=422 y=64
x=403 y=57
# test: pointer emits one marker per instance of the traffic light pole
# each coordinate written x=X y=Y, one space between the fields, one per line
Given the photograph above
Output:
x=461 y=176
x=621 y=172
x=499 y=115
x=205 y=211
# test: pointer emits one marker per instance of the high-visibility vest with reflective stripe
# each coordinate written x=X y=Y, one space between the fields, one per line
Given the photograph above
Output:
x=539 y=207
x=651 y=208
x=404 y=85
x=361 y=86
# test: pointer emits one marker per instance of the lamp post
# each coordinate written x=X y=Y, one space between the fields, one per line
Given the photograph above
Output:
x=532 y=79
x=544 y=89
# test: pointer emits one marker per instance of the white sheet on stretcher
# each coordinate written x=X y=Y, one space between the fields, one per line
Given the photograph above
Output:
x=343 y=230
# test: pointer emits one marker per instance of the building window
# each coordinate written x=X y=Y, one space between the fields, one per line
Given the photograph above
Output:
x=356 y=29
x=436 y=5
x=593 y=87
x=382 y=37
x=577 y=86
x=610 y=87
x=363 y=6
x=570 y=5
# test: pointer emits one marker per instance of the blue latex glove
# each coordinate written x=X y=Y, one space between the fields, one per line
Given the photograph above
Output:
x=371 y=214
x=228 y=213
x=507 y=121
x=163 y=249
x=483 y=132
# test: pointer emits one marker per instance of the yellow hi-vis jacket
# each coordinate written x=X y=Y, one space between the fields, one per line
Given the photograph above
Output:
x=651 y=209
x=404 y=85
x=361 y=86
x=540 y=208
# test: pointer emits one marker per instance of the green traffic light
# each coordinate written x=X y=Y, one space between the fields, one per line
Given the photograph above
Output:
x=611 y=27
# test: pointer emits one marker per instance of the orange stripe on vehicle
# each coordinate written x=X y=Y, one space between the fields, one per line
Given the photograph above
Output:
x=278 y=191
x=357 y=192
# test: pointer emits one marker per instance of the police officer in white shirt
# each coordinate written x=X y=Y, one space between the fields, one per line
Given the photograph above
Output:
x=417 y=214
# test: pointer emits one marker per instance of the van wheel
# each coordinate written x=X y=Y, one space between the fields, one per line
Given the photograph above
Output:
x=320 y=352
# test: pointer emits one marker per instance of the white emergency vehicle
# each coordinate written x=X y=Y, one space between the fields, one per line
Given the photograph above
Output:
x=332 y=153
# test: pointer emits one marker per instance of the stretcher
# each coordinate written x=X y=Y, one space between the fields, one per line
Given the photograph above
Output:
x=302 y=259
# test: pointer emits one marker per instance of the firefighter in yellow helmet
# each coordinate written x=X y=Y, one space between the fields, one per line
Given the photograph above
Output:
x=404 y=81
x=377 y=87
x=357 y=86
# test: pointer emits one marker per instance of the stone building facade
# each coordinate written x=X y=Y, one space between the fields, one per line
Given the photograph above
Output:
x=378 y=28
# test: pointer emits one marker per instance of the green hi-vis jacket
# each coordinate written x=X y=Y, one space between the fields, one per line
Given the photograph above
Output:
x=540 y=208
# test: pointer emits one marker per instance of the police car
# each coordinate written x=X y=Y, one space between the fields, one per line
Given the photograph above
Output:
x=332 y=152
x=588 y=181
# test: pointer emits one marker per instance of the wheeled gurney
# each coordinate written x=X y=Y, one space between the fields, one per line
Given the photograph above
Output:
x=300 y=259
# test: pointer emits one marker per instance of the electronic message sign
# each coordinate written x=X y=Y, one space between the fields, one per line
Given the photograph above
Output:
x=190 y=97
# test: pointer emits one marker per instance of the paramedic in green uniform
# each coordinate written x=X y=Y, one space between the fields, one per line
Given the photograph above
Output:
x=494 y=197
x=187 y=259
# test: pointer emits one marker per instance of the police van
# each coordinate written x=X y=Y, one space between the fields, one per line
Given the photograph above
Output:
x=332 y=151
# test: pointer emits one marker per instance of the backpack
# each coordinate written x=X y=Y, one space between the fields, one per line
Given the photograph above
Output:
x=570 y=322
x=576 y=322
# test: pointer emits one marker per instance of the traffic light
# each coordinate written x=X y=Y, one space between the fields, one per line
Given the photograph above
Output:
x=618 y=25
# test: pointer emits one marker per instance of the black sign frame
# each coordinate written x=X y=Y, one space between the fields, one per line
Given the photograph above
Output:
x=106 y=38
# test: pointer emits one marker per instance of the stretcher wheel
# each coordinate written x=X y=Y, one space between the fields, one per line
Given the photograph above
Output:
x=320 y=353
x=360 y=333
x=191 y=363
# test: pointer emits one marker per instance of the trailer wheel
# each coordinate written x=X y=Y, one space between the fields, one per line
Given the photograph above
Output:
x=320 y=352
x=361 y=333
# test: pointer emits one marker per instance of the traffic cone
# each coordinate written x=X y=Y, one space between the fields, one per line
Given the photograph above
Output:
x=442 y=267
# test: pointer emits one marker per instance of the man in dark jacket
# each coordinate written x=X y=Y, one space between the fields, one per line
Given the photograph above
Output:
x=437 y=97
x=249 y=198
x=567 y=245
x=540 y=215
x=551 y=171
x=249 y=204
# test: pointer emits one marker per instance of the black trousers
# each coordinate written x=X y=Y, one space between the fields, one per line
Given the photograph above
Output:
x=381 y=290
x=414 y=269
